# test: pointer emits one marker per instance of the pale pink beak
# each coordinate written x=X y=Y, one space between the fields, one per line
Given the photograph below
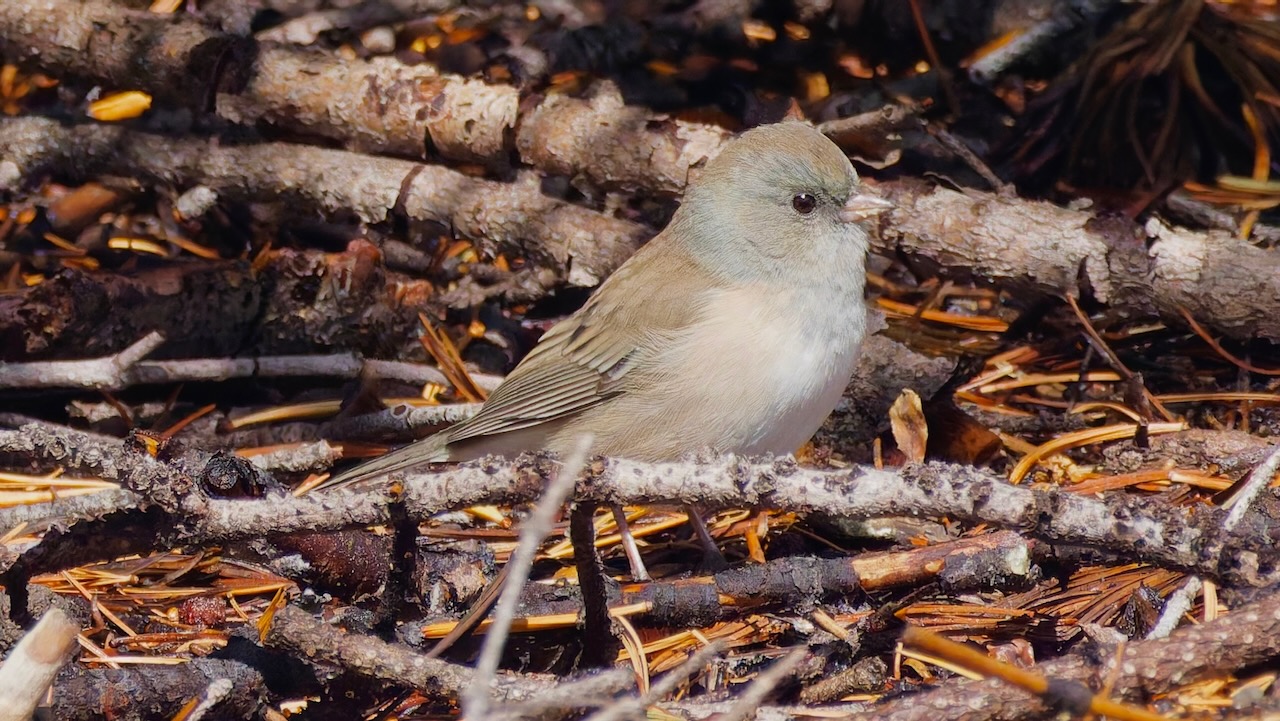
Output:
x=861 y=206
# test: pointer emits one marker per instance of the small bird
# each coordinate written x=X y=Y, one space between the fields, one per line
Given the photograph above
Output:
x=734 y=330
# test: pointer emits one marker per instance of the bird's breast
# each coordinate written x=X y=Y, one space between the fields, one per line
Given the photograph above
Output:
x=770 y=366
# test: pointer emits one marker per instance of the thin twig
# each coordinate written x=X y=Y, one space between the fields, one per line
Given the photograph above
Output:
x=1239 y=503
x=970 y=158
x=33 y=663
x=108 y=373
x=1064 y=18
x=599 y=642
x=296 y=631
x=1230 y=357
x=750 y=700
x=633 y=707
x=217 y=692
x=475 y=699
x=639 y=573
x=127 y=368
x=398 y=421
x=1177 y=604
x=1099 y=344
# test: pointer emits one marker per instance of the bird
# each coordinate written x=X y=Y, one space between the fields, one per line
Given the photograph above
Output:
x=734 y=330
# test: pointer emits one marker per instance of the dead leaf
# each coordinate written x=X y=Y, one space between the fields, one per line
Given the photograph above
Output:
x=910 y=431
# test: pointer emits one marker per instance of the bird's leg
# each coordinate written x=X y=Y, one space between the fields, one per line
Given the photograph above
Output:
x=600 y=643
x=712 y=558
x=638 y=571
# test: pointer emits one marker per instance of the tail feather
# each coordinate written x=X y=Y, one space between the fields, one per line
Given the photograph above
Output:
x=428 y=450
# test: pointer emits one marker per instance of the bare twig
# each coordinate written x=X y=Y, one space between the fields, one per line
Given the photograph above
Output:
x=399 y=421
x=992 y=560
x=67 y=510
x=306 y=457
x=126 y=369
x=1222 y=281
x=31 y=667
x=634 y=707
x=1175 y=605
x=746 y=705
x=1100 y=344
x=541 y=522
x=569 y=699
x=296 y=630
x=1063 y=19
x=1239 y=503
x=305 y=29
x=600 y=138
x=67 y=447
x=110 y=373
x=217 y=692
x=598 y=640
x=158 y=692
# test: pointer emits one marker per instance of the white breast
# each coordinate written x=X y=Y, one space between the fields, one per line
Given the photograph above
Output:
x=775 y=366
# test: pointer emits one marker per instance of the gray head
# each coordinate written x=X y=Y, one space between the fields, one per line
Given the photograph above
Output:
x=781 y=191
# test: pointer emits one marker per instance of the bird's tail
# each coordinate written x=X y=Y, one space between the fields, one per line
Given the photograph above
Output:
x=432 y=449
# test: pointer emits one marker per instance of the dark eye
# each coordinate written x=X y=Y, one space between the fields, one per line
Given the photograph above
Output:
x=804 y=203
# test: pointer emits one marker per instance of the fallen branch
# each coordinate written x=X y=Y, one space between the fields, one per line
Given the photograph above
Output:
x=119 y=47
x=1224 y=282
x=799 y=582
x=581 y=246
x=100 y=374
x=307 y=27
x=411 y=109
x=68 y=510
x=298 y=632
x=1137 y=529
x=614 y=145
x=127 y=369
x=1234 y=454
x=155 y=692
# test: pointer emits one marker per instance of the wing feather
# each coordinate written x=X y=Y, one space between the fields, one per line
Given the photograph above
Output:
x=585 y=359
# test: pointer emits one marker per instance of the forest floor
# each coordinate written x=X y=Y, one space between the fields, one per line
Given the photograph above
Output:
x=245 y=242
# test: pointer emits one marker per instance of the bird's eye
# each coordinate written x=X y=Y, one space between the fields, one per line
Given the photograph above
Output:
x=804 y=203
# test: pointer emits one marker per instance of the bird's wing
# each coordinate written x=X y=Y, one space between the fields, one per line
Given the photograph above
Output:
x=585 y=359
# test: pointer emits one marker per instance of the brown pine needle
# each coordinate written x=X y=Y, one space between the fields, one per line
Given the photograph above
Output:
x=174 y=429
x=1038 y=379
x=294 y=412
x=967 y=322
x=1217 y=347
x=1221 y=397
x=1053 y=691
x=1100 y=344
x=445 y=353
x=1083 y=438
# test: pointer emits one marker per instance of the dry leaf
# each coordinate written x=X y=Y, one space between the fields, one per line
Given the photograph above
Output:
x=910 y=431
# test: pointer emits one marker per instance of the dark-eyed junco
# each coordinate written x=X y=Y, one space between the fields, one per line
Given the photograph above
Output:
x=734 y=330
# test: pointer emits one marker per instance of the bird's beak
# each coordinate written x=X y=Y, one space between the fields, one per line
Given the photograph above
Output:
x=861 y=206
